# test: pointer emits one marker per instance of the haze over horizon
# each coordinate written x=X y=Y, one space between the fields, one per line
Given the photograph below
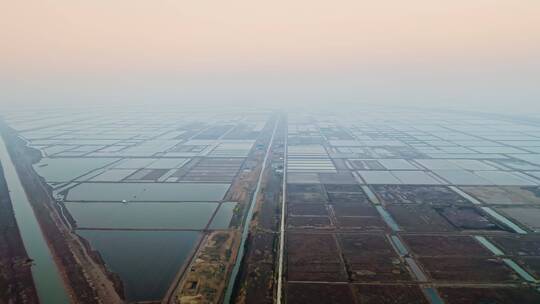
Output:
x=471 y=55
x=276 y=152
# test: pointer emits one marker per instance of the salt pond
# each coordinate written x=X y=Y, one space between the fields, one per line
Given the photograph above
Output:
x=223 y=216
x=142 y=215
x=146 y=261
x=66 y=169
x=147 y=192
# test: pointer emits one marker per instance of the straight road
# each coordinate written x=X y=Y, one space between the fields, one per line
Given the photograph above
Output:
x=279 y=293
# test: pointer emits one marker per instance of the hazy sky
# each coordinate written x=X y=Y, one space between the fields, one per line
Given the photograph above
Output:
x=452 y=53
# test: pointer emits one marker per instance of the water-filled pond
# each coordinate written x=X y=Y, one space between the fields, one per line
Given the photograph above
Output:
x=148 y=192
x=153 y=215
x=146 y=261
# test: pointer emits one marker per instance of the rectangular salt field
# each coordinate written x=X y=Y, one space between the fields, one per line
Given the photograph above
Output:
x=462 y=177
x=535 y=174
x=345 y=143
x=415 y=178
x=501 y=150
x=507 y=178
x=141 y=215
x=231 y=150
x=149 y=148
x=379 y=177
x=465 y=156
x=472 y=164
x=306 y=151
x=134 y=163
x=56 y=149
x=532 y=158
x=113 y=175
x=303 y=178
x=145 y=261
x=397 y=164
x=455 y=150
x=67 y=169
x=454 y=164
x=223 y=216
x=310 y=165
x=141 y=192
x=168 y=163
x=527 y=216
x=438 y=164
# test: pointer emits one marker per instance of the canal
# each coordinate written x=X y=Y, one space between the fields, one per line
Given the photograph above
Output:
x=46 y=276
x=247 y=221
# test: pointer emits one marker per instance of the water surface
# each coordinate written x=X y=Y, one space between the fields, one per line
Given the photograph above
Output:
x=223 y=216
x=66 y=169
x=146 y=261
x=46 y=276
x=142 y=215
x=148 y=192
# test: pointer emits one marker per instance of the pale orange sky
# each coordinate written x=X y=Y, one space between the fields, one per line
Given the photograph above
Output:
x=47 y=40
